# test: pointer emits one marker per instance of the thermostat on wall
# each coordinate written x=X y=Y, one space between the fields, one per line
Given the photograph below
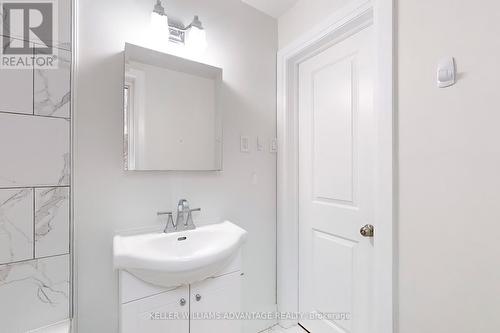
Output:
x=446 y=73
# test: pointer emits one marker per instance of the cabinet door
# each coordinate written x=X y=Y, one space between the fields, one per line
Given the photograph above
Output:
x=167 y=312
x=221 y=297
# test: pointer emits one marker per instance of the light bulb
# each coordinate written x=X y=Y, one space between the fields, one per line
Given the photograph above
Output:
x=160 y=31
x=196 y=37
x=159 y=26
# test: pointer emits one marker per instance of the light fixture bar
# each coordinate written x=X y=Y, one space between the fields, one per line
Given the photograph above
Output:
x=177 y=35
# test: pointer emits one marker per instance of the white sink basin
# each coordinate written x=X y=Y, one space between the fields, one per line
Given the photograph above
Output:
x=178 y=258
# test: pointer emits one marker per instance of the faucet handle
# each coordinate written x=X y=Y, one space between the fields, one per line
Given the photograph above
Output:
x=189 y=221
x=170 y=227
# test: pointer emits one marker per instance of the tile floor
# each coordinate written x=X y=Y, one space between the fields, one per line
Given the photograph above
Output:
x=278 y=329
x=61 y=327
x=64 y=327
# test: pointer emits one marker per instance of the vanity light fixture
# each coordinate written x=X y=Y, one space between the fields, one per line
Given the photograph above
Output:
x=192 y=36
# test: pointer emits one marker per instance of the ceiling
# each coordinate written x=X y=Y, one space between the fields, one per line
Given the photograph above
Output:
x=274 y=8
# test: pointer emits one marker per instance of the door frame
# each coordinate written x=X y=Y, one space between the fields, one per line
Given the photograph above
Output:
x=343 y=23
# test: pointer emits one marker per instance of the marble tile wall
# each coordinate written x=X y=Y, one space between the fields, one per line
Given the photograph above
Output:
x=35 y=183
x=16 y=225
x=34 y=293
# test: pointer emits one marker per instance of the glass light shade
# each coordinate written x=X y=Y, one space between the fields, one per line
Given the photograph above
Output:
x=159 y=28
x=196 y=39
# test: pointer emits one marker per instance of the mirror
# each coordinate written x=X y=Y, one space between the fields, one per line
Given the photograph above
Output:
x=171 y=114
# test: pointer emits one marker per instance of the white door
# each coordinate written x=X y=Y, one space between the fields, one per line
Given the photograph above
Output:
x=336 y=180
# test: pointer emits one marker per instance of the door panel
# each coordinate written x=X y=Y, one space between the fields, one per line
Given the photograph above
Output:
x=332 y=132
x=336 y=178
x=219 y=296
x=333 y=274
x=167 y=312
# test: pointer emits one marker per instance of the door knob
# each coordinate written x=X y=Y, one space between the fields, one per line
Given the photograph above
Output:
x=198 y=297
x=367 y=231
x=182 y=301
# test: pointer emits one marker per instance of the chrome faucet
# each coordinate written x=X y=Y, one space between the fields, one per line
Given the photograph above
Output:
x=183 y=220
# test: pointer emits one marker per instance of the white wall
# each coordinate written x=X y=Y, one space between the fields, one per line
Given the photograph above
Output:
x=303 y=16
x=243 y=42
x=449 y=159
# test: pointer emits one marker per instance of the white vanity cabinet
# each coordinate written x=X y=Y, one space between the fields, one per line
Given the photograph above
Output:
x=202 y=307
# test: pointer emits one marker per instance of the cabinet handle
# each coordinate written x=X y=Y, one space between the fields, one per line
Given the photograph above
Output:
x=198 y=297
x=182 y=302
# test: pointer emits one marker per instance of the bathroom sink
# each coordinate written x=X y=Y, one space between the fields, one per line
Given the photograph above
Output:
x=178 y=258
